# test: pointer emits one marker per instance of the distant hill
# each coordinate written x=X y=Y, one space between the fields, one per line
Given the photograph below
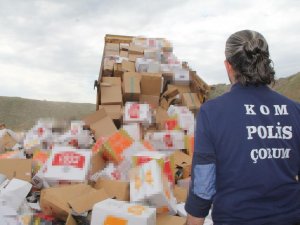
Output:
x=20 y=114
x=288 y=86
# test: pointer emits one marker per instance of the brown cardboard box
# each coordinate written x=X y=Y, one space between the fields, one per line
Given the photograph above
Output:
x=180 y=194
x=136 y=50
x=165 y=219
x=128 y=66
x=16 y=168
x=133 y=57
x=131 y=86
x=153 y=101
x=111 y=49
x=161 y=117
x=169 y=97
x=85 y=203
x=151 y=84
x=181 y=88
x=124 y=47
x=100 y=123
x=111 y=91
x=108 y=67
x=115 y=189
x=183 y=161
x=54 y=201
x=124 y=54
x=115 y=113
x=7 y=142
x=191 y=101
x=118 y=70
x=97 y=163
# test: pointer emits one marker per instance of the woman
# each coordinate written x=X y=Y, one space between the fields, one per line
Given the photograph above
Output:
x=247 y=145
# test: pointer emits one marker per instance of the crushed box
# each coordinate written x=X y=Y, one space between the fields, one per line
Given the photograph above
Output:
x=100 y=123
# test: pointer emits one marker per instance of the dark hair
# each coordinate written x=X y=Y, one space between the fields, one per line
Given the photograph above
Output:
x=248 y=53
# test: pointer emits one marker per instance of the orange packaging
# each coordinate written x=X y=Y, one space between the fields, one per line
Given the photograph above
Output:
x=117 y=144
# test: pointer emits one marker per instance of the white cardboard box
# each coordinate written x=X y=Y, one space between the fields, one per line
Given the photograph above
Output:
x=166 y=140
x=147 y=184
x=12 y=195
x=68 y=165
x=137 y=113
x=113 y=212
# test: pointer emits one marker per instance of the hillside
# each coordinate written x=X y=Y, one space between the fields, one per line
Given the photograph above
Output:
x=21 y=114
x=289 y=86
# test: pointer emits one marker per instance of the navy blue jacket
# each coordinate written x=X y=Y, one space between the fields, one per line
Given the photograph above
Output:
x=247 y=158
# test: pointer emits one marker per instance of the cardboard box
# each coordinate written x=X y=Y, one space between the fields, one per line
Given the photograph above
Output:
x=113 y=111
x=7 y=142
x=180 y=194
x=181 y=88
x=124 y=54
x=141 y=64
x=182 y=77
x=111 y=49
x=134 y=130
x=100 y=123
x=133 y=57
x=161 y=117
x=115 y=189
x=128 y=66
x=137 y=113
x=152 y=53
x=116 y=144
x=118 y=70
x=108 y=67
x=185 y=118
x=136 y=50
x=85 y=203
x=113 y=212
x=111 y=91
x=151 y=84
x=12 y=194
x=124 y=47
x=16 y=168
x=153 y=67
x=164 y=219
x=183 y=162
x=166 y=140
x=191 y=101
x=165 y=161
x=55 y=201
x=147 y=183
x=131 y=84
x=97 y=163
x=67 y=165
x=153 y=101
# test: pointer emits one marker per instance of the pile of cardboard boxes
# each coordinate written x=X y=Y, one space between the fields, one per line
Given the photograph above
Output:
x=130 y=161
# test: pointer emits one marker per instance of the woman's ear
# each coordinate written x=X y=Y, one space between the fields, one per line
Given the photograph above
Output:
x=230 y=72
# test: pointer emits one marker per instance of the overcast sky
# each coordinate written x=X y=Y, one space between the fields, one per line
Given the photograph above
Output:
x=51 y=50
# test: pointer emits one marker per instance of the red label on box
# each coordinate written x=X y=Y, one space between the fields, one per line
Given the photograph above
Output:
x=134 y=111
x=143 y=159
x=68 y=159
x=168 y=140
